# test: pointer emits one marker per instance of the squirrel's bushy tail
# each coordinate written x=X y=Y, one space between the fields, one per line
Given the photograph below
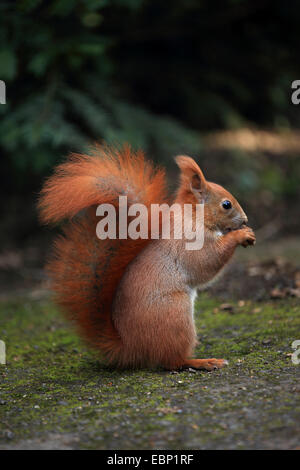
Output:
x=84 y=270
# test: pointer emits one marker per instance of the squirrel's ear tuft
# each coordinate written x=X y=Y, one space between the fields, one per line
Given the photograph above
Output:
x=191 y=175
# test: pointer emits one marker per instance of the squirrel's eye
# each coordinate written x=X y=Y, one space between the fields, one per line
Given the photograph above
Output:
x=226 y=205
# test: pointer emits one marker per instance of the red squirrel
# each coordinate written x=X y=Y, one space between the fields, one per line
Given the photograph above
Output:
x=132 y=300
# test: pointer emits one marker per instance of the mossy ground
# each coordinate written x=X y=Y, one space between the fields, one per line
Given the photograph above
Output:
x=55 y=393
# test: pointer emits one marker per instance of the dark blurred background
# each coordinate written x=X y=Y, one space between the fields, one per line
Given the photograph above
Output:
x=212 y=79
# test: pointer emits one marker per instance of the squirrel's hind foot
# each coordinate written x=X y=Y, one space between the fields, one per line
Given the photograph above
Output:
x=205 y=364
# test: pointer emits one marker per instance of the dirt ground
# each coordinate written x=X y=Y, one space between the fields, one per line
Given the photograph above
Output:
x=55 y=394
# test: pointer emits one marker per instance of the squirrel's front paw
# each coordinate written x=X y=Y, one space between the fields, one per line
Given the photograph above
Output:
x=246 y=236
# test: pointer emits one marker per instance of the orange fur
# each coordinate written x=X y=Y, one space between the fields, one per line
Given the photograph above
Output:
x=133 y=299
x=85 y=271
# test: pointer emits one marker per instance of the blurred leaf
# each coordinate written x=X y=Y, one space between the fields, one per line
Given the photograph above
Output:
x=91 y=20
x=39 y=63
x=63 y=7
x=28 y=5
x=131 y=4
x=93 y=5
x=91 y=49
x=8 y=64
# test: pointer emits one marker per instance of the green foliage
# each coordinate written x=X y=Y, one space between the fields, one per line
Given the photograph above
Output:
x=8 y=64
x=142 y=71
x=58 y=71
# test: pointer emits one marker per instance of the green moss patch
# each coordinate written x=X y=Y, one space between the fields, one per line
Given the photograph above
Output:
x=54 y=392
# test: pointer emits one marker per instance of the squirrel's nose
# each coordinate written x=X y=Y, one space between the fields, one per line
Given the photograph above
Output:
x=244 y=218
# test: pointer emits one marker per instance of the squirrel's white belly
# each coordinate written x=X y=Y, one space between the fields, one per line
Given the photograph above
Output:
x=193 y=296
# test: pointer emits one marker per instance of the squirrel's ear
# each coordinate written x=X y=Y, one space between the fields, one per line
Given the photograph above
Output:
x=191 y=175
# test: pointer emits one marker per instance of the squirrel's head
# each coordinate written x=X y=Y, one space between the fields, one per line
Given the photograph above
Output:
x=222 y=212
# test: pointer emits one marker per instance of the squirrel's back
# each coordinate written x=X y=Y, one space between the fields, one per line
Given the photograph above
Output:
x=84 y=270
